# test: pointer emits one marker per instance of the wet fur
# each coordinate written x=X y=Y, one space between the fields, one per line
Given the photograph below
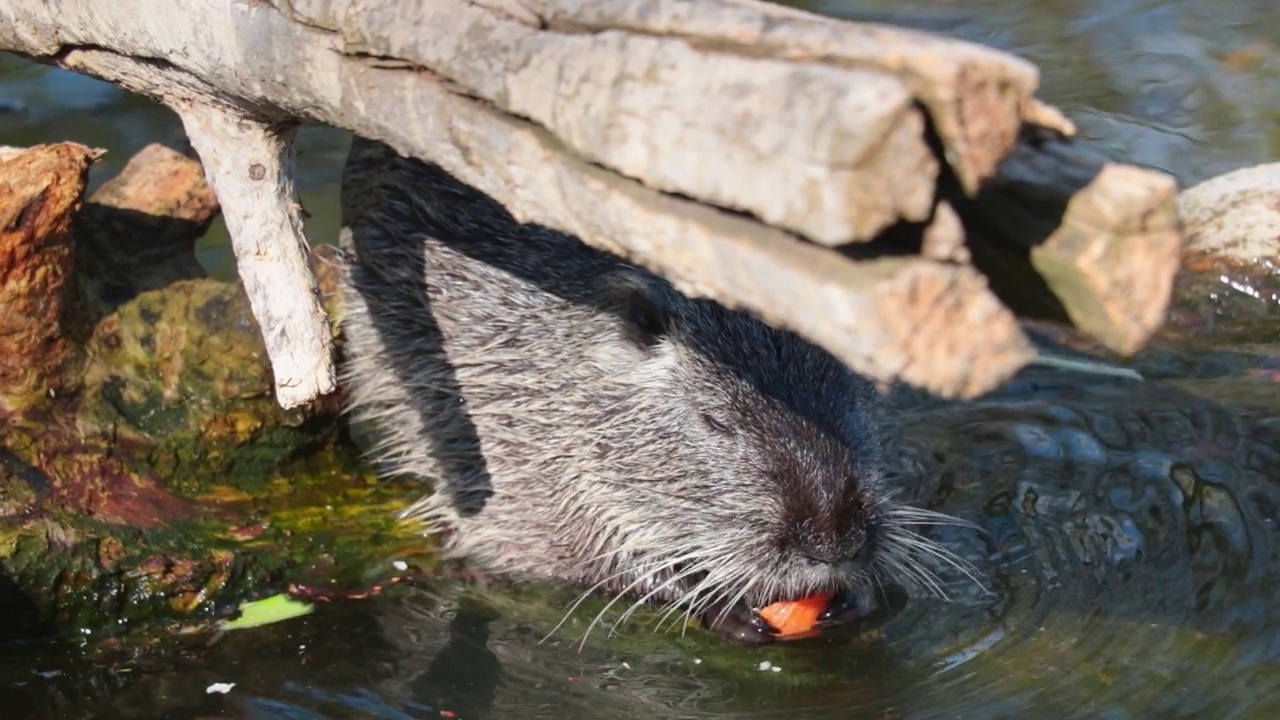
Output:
x=583 y=421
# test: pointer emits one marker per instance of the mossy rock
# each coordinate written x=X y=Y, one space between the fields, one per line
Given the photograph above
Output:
x=181 y=375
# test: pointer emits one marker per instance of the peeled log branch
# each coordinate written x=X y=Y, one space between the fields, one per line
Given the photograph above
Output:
x=706 y=140
x=844 y=147
x=977 y=97
x=249 y=165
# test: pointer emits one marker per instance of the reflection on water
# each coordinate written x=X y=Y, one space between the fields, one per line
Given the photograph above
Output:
x=1128 y=530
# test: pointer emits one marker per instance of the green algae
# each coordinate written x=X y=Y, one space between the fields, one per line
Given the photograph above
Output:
x=321 y=529
x=172 y=487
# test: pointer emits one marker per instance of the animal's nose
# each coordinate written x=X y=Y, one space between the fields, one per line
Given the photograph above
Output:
x=847 y=565
x=845 y=554
x=819 y=557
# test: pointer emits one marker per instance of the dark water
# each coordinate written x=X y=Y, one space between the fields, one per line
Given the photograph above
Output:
x=1129 y=530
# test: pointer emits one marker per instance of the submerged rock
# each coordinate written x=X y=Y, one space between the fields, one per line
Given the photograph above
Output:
x=1230 y=284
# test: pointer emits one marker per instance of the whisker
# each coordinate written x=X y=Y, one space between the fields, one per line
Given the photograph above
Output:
x=639 y=603
x=681 y=603
x=578 y=601
x=939 y=552
x=904 y=542
x=899 y=566
x=665 y=565
x=923 y=516
x=588 y=592
x=718 y=582
x=735 y=599
x=944 y=555
x=618 y=596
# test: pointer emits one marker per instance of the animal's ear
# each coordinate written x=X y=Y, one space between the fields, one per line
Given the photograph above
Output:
x=639 y=304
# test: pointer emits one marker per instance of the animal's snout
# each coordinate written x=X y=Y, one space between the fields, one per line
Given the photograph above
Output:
x=845 y=553
x=847 y=566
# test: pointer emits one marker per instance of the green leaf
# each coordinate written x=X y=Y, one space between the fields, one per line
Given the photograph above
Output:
x=266 y=611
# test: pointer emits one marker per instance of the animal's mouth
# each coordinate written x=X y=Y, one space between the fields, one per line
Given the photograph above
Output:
x=840 y=605
x=805 y=616
x=794 y=618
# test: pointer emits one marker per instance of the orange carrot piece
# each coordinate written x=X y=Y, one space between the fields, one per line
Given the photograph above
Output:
x=793 y=617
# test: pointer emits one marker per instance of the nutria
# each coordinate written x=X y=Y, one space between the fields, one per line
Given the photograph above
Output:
x=585 y=422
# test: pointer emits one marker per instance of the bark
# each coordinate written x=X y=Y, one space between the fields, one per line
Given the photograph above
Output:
x=40 y=192
x=248 y=165
x=752 y=153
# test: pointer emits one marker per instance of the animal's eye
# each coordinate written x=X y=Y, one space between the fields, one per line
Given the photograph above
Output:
x=647 y=318
x=716 y=425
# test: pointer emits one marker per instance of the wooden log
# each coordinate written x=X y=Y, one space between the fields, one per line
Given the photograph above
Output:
x=977 y=98
x=844 y=146
x=40 y=190
x=1068 y=236
x=828 y=106
x=800 y=131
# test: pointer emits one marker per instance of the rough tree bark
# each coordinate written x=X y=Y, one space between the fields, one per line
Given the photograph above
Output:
x=752 y=153
x=39 y=194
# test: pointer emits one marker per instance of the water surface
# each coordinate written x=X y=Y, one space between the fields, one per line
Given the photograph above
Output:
x=1129 y=531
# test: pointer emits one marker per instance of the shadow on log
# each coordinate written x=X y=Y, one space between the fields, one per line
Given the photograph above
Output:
x=1224 y=319
x=1065 y=235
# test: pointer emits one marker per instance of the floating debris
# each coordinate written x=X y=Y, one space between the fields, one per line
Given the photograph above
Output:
x=266 y=611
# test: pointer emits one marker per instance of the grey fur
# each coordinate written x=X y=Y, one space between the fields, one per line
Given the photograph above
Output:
x=726 y=463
